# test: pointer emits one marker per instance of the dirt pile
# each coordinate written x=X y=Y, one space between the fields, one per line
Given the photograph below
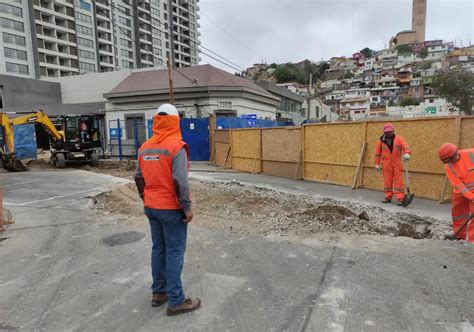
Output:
x=253 y=210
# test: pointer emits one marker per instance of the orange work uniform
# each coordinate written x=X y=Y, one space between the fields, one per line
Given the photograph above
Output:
x=461 y=176
x=392 y=167
x=155 y=158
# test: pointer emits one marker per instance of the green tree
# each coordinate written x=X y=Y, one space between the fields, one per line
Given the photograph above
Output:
x=287 y=72
x=403 y=49
x=423 y=53
x=408 y=101
x=457 y=87
x=367 y=52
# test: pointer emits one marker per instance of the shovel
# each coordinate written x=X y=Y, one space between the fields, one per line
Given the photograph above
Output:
x=408 y=196
x=452 y=237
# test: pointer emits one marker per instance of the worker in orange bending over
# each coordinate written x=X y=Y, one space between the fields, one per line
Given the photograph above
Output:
x=388 y=154
x=459 y=166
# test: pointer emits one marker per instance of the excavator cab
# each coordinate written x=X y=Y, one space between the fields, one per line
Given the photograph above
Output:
x=80 y=139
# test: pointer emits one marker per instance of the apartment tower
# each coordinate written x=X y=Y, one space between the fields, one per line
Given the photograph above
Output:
x=53 y=38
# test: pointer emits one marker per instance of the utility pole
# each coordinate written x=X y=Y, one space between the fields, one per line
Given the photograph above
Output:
x=170 y=82
x=309 y=97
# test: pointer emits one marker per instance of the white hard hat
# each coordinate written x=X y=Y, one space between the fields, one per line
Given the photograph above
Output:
x=167 y=109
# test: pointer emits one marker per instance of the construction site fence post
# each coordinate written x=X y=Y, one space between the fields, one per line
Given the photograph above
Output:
x=119 y=131
x=136 y=143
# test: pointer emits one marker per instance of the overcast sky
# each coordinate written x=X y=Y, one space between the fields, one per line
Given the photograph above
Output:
x=293 y=30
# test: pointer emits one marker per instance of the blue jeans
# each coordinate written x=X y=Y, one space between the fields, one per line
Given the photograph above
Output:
x=168 y=234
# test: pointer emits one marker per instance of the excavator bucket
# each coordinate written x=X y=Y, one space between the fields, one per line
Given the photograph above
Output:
x=14 y=165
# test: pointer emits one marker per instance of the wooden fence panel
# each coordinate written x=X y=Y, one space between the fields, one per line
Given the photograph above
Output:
x=246 y=150
x=467 y=133
x=222 y=146
x=281 y=150
x=331 y=152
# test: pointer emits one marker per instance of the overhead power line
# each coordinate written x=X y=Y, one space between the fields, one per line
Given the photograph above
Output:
x=233 y=37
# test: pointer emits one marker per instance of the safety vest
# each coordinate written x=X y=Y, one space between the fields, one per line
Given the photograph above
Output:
x=461 y=174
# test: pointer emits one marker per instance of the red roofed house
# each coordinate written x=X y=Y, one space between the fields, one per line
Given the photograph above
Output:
x=199 y=91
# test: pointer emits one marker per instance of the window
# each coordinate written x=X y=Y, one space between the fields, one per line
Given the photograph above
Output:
x=123 y=9
x=156 y=32
x=86 y=54
x=84 y=30
x=155 y=2
x=128 y=54
x=127 y=64
x=125 y=21
x=10 y=24
x=155 y=22
x=127 y=33
x=84 y=18
x=156 y=42
x=16 y=68
x=155 y=11
x=225 y=104
x=85 y=42
x=192 y=26
x=157 y=51
x=15 y=54
x=8 y=9
x=133 y=124
x=13 y=39
x=84 y=5
x=158 y=62
x=87 y=66
x=125 y=42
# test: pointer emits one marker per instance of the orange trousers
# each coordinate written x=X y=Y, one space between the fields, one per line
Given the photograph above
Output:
x=393 y=180
x=461 y=210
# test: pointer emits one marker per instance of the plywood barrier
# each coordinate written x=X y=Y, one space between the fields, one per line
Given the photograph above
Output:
x=331 y=151
x=281 y=150
x=222 y=147
x=467 y=133
x=246 y=150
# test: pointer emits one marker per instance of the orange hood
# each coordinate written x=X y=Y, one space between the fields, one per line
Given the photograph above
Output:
x=165 y=126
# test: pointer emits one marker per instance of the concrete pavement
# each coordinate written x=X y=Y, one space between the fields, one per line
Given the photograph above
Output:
x=58 y=274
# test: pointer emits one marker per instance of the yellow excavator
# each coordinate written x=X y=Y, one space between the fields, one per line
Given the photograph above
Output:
x=72 y=139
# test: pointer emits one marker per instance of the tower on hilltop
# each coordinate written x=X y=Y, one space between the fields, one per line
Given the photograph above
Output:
x=418 y=20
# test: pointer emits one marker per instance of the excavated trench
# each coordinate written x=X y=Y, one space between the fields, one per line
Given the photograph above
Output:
x=252 y=210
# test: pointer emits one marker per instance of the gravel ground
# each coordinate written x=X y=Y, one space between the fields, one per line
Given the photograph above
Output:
x=252 y=210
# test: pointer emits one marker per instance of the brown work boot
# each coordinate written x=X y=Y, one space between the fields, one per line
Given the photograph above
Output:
x=187 y=306
x=158 y=299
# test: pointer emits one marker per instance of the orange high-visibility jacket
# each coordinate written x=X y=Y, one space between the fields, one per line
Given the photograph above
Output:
x=461 y=174
x=155 y=158
x=383 y=154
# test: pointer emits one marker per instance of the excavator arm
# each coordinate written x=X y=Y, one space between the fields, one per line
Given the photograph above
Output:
x=7 y=132
x=41 y=118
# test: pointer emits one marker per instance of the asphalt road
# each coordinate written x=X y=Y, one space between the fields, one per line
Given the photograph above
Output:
x=60 y=270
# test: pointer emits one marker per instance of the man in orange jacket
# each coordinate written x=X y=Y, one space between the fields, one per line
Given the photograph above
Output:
x=388 y=154
x=459 y=166
x=162 y=182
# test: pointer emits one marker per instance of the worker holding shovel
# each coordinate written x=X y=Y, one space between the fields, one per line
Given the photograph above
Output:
x=459 y=166
x=388 y=154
